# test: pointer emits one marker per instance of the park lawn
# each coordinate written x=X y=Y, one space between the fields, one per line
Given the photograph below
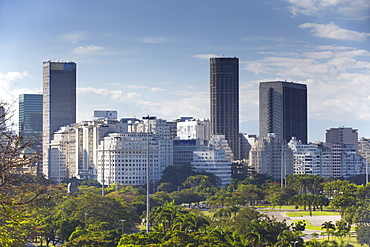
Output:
x=307 y=213
x=351 y=240
x=309 y=226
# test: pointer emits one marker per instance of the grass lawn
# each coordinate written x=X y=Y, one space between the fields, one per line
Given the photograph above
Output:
x=307 y=213
x=309 y=226
x=351 y=240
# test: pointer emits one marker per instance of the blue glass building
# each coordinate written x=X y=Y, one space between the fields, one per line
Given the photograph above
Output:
x=30 y=118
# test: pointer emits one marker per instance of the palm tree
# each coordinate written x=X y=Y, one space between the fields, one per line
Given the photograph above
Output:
x=260 y=233
x=165 y=215
x=190 y=222
x=329 y=227
x=287 y=237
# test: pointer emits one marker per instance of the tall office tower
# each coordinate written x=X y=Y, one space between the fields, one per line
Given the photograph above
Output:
x=59 y=102
x=224 y=77
x=30 y=118
x=283 y=110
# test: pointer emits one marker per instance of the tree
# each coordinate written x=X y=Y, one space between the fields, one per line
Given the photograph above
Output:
x=305 y=183
x=186 y=196
x=190 y=222
x=363 y=234
x=286 y=237
x=329 y=228
x=17 y=190
x=250 y=193
x=168 y=187
x=243 y=219
x=164 y=216
x=342 y=202
x=342 y=227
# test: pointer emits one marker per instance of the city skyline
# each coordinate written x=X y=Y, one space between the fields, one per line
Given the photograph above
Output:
x=151 y=58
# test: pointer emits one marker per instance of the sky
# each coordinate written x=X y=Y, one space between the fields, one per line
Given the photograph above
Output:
x=143 y=57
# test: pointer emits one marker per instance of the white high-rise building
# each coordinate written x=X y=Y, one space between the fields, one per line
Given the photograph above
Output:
x=101 y=114
x=271 y=156
x=123 y=158
x=194 y=129
x=73 y=149
x=310 y=158
x=215 y=158
x=364 y=148
x=345 y=158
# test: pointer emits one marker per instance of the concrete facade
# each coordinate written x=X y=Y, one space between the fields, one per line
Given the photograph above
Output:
x=271 y=156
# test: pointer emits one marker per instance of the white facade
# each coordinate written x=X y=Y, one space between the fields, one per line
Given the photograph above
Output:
x=352 y=163
x=310 y=159
x=62 y=156
x=101 y=114
x=271 y=156
x=214 y=159
x=194 y=129
x=346 y=160
x=73 y=150
x=364 y=148
x=123 y=158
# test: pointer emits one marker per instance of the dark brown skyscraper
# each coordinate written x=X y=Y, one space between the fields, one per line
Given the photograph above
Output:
x=224 y=78
x=283 y=110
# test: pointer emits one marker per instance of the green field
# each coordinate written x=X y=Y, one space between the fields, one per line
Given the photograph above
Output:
x=307 y=213
x=309 y=226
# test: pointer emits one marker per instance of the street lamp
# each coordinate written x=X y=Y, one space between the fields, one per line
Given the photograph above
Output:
x=122 y=224
x=85 y=219
x=294 y=243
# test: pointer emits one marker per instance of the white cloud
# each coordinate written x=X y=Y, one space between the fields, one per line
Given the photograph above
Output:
x=338 y=80
x=333 y=31
x=355 y=9
x=9 y=90
x=114 y=95
x=157 y=89
x=90 y=49
x=135 y=86
x=154 y=40
x=74 y=37
x=205 y=56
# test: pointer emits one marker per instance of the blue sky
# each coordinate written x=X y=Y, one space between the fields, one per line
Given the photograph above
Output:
x=144 y=57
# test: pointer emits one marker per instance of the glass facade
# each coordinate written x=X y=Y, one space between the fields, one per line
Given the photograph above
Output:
x=30 y=118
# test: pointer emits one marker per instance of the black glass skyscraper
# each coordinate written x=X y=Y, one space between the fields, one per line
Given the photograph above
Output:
x=283 y=110
x=59 y=102
x=224 y=77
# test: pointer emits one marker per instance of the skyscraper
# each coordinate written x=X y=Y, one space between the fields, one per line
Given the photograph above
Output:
x=59 y=102
x=30 y=118
x=283 y=110
x=224 y=77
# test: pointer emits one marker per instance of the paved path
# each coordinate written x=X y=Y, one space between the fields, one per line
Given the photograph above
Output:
x=315 y=220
